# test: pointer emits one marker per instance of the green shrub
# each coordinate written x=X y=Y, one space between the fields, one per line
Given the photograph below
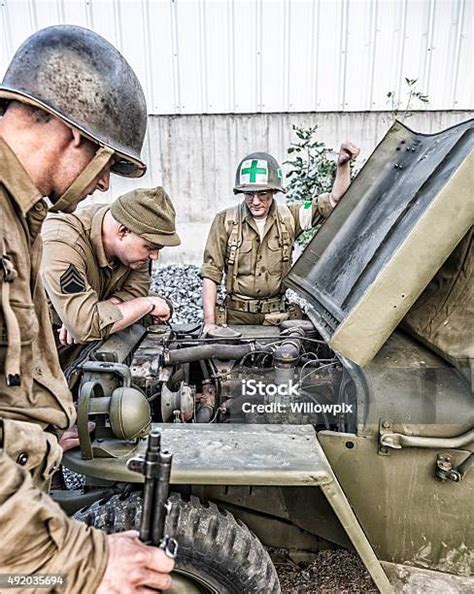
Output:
x=311 y=171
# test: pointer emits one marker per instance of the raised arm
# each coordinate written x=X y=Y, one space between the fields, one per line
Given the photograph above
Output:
x=347 y=153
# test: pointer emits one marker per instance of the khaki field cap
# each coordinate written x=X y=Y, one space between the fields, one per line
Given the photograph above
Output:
x=148 y=213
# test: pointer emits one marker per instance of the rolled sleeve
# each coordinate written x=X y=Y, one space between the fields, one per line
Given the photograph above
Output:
x=213 y=265
x=209 y=271
x=324 y=204
x=107 y=314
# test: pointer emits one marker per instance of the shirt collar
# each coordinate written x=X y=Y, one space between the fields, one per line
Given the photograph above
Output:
x=96 y=237
x=17 y=181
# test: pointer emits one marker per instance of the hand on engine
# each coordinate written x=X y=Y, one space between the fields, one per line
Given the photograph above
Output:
x=65 y=337
x=70 y=438
x=161 y=309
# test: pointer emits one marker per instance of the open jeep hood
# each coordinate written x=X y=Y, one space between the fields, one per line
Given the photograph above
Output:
x=402 y=216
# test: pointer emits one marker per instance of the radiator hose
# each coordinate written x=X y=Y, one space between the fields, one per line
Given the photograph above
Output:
x=211 y=351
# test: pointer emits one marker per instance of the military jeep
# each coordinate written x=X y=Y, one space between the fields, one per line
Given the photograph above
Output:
x=353 y=426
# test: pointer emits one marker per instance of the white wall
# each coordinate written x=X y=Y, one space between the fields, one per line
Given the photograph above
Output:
x=247 y=56
x=227 y=77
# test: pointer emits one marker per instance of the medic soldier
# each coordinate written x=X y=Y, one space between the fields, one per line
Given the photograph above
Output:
x=252 y=243
x=72 y=111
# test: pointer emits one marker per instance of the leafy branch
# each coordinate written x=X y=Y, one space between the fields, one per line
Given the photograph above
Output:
x=412 y=94
x=311 y=170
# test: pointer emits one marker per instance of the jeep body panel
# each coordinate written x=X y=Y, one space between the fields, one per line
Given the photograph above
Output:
x=379 y=249
x=408 y=515
x=256 y=454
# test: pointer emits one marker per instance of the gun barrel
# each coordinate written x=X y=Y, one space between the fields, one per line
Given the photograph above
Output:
x=151 y=468
x=147 y=509
x=161 y=497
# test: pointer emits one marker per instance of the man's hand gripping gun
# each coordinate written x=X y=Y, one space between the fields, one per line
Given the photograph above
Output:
x=156 y=468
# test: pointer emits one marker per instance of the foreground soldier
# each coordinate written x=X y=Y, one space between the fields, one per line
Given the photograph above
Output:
x=72 y=111
x=95 y=266
x=253 y=242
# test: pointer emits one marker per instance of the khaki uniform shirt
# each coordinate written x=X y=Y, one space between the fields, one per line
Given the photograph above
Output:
x=259 y=264
x=36 y=535
x=78 y=278
x=43 y=396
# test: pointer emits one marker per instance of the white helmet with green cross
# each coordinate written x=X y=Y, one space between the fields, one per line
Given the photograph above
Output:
x=258 y=171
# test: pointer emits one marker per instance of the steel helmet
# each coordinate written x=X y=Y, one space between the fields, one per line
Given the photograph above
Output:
x=78 y=76
x=258 y=171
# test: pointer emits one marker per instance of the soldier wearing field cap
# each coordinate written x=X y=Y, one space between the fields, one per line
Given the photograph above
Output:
x=96 y=261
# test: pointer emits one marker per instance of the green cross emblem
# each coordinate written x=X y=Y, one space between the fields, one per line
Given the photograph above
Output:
x=253 y=170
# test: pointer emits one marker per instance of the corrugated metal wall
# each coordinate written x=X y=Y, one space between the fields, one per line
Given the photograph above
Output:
x=229 y=62
x=248 y=56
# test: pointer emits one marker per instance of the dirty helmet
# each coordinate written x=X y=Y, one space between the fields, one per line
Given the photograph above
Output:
x=79 y=77
x=258 y=171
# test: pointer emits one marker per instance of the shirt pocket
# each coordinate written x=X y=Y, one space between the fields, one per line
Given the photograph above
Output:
x=275 y=256
x=36 y=450
x=27 y=321
x=245 y=256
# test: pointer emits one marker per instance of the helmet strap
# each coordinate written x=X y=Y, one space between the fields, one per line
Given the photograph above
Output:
x=84 y=179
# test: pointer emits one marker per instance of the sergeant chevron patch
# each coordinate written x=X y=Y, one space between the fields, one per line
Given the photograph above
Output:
x=72 y=281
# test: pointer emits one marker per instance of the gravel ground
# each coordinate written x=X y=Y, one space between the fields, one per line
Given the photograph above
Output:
x=182 y=285
x=333 y=571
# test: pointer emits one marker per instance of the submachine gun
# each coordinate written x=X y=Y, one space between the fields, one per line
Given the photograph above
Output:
x=155 y=466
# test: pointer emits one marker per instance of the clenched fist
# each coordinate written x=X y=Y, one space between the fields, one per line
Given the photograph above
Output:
x=161 y=309
x=347 y=152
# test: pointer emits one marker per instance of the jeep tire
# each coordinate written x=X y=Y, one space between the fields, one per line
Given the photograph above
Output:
x=216 y=552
